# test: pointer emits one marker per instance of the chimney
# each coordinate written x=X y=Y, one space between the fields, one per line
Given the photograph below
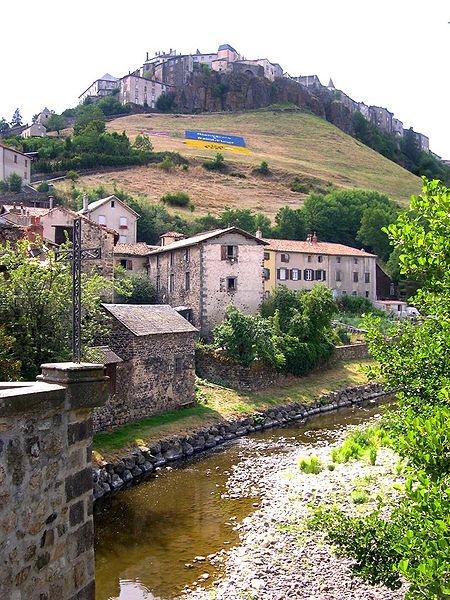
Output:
x=50 y=202
x=258 y=234
x=146 y=58
x=308 y=238
x=170 y=237
x=314 y=238
x=85 y=203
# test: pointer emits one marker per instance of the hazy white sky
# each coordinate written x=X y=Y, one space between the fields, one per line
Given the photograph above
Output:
x=391 y=53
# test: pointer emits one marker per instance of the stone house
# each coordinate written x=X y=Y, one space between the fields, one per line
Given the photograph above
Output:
x=381 y=118
x=44 y=116
x=113 y=213
x=271 y=70
x=99 y=88
x=205 y=273
x=135 y=89
x=133 y=257
x=309 y=81
x=302 y=264
x=14 y=161
x=157 y=372
x=34 y=130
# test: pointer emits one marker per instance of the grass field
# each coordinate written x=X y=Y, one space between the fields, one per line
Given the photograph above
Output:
x=217 y=403
x=292 y=143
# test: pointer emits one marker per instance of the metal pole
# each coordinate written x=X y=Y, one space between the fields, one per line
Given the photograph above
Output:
x=76 y=291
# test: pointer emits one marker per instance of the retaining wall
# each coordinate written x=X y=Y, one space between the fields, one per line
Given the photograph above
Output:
x=142 y=462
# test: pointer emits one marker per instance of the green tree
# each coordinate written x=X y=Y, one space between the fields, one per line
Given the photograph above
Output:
x=166 y=101
x=140 y=290
x=56 y=123
x=143 y=143
x=4 y=126
x=16 y=118
x=90 y=115
x=245 y=219
x=371 y=232
x=15 y=183
x=289 y=224
x=9 y=367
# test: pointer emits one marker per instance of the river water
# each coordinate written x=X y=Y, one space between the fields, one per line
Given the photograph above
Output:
x=145 y=536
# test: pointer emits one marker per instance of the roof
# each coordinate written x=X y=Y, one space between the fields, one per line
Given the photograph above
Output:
x=315 y=248
x=11 y=148
x=227 y=47
x=108 y=356
x=94 y=205
x=139 y=249
x=46 y=111
x=29 y=210
x=108 y=77
x=208 y=235
x=149 y=319
x=75 y=215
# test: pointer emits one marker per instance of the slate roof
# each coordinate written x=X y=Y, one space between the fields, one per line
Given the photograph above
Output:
x=207 y=235
x=227 y=47
x=108 y=356
x=315 y=248
x=138 y=249
x=108 y=77
x=149 y=319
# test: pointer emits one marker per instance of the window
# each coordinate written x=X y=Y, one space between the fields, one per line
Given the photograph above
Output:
x=15 y=158
x=229 y=253
x=158 y=261
x=308 y=275
x=354 y=293
x=295 y=274
x=282 y=274
x=309 y=258
x=101 y=220
x=113 y=203
x=266 y=256
x=320 y=275
x=187 y=281
x=123 y=223
x=366 y=277
x=187 y=254
x=231 y=284
x=338 y=276
x=171 y=282
x=266 y=274
x=158 y=283
x=367 y=293
x=320 y=259
x=338 y=259
x=284 y=257
x=126 y=264
x=355 y=277
x=355 y=260
x=178 y=364
x=170 y=259
x=26 y=164
x=122 y=239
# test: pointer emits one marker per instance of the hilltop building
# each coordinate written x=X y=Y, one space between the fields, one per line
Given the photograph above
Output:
x=100 y=88
x=302 y=264
x=143 y=91
x=205 y=273
x=34 y=130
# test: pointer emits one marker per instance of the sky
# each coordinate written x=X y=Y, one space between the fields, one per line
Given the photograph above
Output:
x=390 y=53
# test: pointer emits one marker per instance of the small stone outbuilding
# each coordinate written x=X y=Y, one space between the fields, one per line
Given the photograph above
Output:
x=157 y=372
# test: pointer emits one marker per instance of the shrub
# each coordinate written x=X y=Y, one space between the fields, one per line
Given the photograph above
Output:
x=15 y=183
x=166 y=102
x=166 y=165
x=73 y=175
x=217 y=164
x=359 y=497
x=176 y=199
x=360 y=443
x=297 y=185
x=43 y=187
x=238 y=175
x=310 y=466
x=263 y=169
x=354 y=305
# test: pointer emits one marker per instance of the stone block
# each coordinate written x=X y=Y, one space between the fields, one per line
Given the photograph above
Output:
x=78 y=484
x=76 y=513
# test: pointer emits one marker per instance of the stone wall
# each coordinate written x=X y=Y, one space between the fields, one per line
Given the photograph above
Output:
x=147 y=383
x=350 y=352
x=141 y=463
x=46 y=526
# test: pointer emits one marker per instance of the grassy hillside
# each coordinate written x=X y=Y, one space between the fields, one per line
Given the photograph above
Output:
x=293 y=144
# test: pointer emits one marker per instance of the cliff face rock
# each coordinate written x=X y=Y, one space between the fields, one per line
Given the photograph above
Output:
x=215 y=92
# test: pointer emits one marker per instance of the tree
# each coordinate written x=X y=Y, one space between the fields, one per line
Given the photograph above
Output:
x=4 y=126
x=142 y=290
x=35 y=306
x=166 y=101
x=91 y=114
x=143 y=143
x=245 y=219
x=289 y=224
x=371 y=232
x=15 y=183
x=9 y=367
x=16 y=118
x=56 y=123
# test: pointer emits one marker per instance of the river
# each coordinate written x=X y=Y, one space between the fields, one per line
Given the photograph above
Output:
x=145 y=536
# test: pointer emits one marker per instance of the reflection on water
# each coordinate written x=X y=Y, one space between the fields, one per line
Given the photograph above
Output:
x=146 y=535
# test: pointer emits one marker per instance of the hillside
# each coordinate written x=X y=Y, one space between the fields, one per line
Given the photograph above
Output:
x=294 y=144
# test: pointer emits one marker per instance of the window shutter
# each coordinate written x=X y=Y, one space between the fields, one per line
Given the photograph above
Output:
x=223 y=252
x=278 y=273
x=312 y=275
x=304 y=274
x=324 y=275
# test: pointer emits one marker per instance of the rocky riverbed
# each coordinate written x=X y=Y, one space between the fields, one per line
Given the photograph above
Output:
x=279 y=557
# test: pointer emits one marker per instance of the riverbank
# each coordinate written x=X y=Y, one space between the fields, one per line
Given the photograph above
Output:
x=278 y=557
x=217 y=403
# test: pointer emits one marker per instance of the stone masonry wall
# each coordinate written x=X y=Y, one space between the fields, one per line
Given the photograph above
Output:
x=46 y=527
x=147 y=383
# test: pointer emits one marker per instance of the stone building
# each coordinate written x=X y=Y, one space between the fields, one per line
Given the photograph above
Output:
x=135 y=89
x=271 y=70
x=309 y=81
x=157 y=372
x=34 y=130
x=44 y=116
x=14 y=161
x=302 y=264
x=133 y=257
x=207 y=272
x=381 y=118
x=113 y=213
x=99 y=88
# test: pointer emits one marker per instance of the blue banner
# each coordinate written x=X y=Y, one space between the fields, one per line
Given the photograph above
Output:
x=216 y=138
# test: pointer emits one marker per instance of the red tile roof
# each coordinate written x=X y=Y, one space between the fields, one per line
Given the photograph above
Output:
x=28 y=210
x=315 y=248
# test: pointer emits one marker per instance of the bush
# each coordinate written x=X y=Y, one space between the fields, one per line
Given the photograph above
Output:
x=73 y=175
x=177 y=199
x=359 y=444
x=43 y=187
x=355 y=305
x=297 y=185
x=310 y=466
x=166 y=102
x=238 y=175
x=263 y=169
x=15 y=183
x=217 y=164
x=142 y=289
x=166 y=165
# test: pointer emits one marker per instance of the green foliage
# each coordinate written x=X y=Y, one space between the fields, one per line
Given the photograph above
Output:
x=354 y=305
x=310 y=465
x=9 y=367
x=289 y=224
x=263 y=169
x=14 y=182
x=166 y=101
x=245 y=338
x=55 y=123
x=139 y=289
x=143 y=143
x=177 y=199
x=360 y=443
x=43 y=187
x=90 y=116
x=167 y=165
x=359 y=497
x=110 y=105
x=4 y=126
x=73 y=175
x=245 y=219
x=217 y=164
x=16 y=118
x=35 y=306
